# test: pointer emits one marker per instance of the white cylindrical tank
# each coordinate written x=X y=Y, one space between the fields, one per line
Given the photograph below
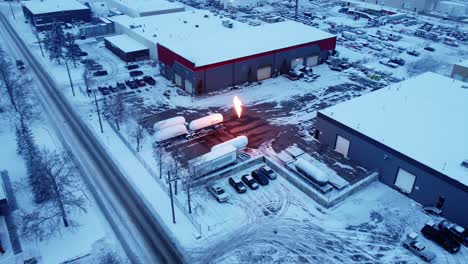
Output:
x=170 y=132
x=205 y=122
x=239 y=143
x=178 y=120
x=311 y=171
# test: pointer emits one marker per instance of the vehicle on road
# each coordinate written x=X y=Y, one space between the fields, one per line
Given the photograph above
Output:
x=431 y=232
x=269 y=172
x=414 y=245
x=20 y=65
x=100 y=73
x=149 y=80
x=249 y=181
x=457 y=232
x=218 y=193
x=135 y=73
x=260 y=177
x=429 y=48
x=132 y=66
x=238 y=185
x=413 y=53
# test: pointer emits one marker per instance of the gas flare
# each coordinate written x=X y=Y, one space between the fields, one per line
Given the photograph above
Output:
x=237 y=106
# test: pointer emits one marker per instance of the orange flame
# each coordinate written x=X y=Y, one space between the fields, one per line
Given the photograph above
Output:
x=237 y=106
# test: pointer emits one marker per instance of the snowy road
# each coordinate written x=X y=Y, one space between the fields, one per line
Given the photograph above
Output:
x=143 y=237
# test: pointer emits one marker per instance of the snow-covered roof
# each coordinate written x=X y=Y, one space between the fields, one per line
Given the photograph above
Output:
x=144 y=6
x=200 y=37
x=424 y=118
x=463 y=63
x=125 y=43
x=50 y=6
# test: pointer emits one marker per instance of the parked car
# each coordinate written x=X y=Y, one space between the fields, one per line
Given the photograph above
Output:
x=100 y=73
x=412 y=244
x=238 y=185
x=398 y=61
x=140 y=82
x=131 y=84
x=413 y=53
x=457 y=232
x=432 y=233
x=132 y=66
x=345 y=65
x=218 y=193
x=104 y=90
x=121 y=86
x=336 y=68
x=113 y=89
x=249 y=181
x=429 y=48
x=135 y=73
x=149 y=80
x=20 y=65
x=260 y=177
x=269 y=172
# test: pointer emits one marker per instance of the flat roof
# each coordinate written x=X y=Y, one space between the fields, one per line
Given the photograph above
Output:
x=50 y=6
x=126 y=43
x=424 y=118
x=200 y=37
x=143 y=6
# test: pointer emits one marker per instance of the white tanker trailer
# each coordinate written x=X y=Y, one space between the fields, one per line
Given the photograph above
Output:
x=311 y=171
x=239 y=143
x=170 y=132
x=206 y=122
x=178 y=120
x=213 y=160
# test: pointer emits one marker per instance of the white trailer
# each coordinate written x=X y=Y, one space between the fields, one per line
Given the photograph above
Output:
x=213 y=160
x=239 y=143
x=206 y=122
x=170 y=133
x=311 y=171
x=178 y=120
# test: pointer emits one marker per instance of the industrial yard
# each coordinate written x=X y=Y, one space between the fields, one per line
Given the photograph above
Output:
x=197 y=136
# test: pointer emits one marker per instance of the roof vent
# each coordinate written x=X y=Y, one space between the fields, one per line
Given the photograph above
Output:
x=228 y=24
x=185 y=21
x=196 y=26
x=206 y=16
x=465 y=163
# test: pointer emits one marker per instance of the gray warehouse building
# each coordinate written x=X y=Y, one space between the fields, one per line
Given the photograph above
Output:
x=414 y=133
x=42 y=14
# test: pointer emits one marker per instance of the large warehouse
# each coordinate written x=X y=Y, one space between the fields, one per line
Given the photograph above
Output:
x=126 y=48
x=42 y=14
x=223 y=53
x=139 y=8
x=415 y=133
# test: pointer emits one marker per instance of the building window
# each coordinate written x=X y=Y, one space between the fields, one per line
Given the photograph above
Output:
x=342 y=145
x=405 y=181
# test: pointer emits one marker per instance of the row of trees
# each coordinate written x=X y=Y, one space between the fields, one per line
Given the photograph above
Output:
x=52 y=177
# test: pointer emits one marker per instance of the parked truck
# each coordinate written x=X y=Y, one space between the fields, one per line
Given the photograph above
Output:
x=213 y=160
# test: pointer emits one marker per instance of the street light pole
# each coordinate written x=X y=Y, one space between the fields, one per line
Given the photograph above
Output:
x=97 y=109
x=11 y=8
x=69 y=77
x=172 y=198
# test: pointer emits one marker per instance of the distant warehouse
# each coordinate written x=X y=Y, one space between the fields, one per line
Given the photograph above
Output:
x=202 y=52
x=139 y=8
x=414 y=133
x=42 y=14
x=126 y=48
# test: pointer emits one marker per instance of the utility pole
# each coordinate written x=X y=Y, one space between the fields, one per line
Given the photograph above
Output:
x=69 y=77
x=11 y=8
x=295 y=13
x=39 y=41
x=97 y=109
x=172 y=198
x=188 y=195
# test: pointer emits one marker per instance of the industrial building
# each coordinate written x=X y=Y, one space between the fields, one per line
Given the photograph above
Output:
x=414 y=133
x=410 y=5
x=126 y=48
x=42 y=14
x=202 y=52
x=140 y=8
x=460 y=71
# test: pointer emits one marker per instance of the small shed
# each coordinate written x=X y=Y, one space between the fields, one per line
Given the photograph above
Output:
x=126 y=48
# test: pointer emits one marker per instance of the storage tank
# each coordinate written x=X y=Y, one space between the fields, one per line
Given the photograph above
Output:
x=205 y=122
x=178 y=120
x=239 y=143
x=170 y=132
x=311 y=171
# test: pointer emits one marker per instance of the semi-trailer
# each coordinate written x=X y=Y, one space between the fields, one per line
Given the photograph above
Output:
x=213 y=160
x=178 y=120
x=206 y=122
x=239 y=143
x=170 y=133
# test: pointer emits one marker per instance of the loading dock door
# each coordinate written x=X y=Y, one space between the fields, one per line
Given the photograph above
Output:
x=342 y=145
x=295 y=62
x=177 y=80
x=405 y=181
x=312 y=61
x=264 y=73
x=188 y=86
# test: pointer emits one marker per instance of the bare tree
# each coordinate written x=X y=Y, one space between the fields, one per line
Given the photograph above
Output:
x=55 y=42
x=88 y=81
x=60 y=175
x=114 y=108
x=174 y=167
x=137 y=133
x=71 y=48
x=158 y=154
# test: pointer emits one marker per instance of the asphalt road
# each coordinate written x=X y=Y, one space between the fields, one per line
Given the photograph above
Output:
x=142 y=234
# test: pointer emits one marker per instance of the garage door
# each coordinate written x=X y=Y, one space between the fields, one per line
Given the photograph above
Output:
x=188 y=86
x=405 y=181
x=295 y=62
x=177 y=80
x=342 y=145
x=312 y=61
x=263 y=73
